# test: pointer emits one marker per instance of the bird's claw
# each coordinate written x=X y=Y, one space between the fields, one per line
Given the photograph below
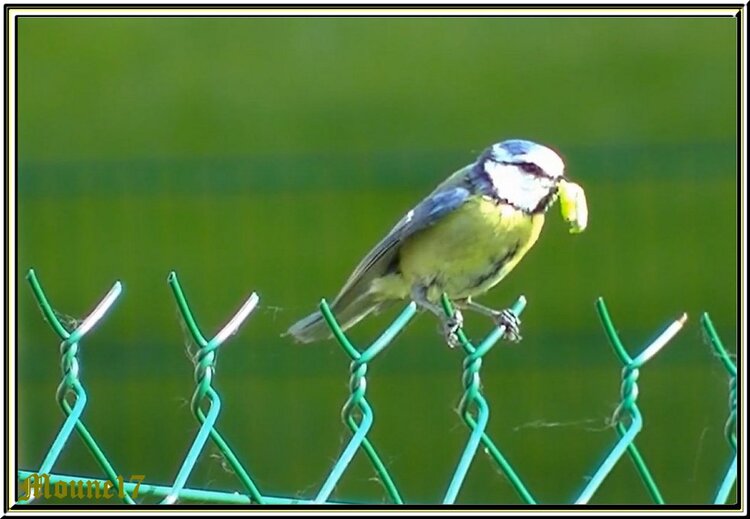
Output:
x=511 y=322
x=451 y=325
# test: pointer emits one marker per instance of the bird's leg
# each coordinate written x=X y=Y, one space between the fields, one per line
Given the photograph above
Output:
x=450 y=325
x=505 y=317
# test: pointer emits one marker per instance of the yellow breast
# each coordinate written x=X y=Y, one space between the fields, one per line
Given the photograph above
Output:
x=469 y=250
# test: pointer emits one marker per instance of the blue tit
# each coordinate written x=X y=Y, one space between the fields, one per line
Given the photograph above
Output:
x=461 y=240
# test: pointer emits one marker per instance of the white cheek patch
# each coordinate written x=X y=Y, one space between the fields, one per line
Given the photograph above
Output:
x=523 y=190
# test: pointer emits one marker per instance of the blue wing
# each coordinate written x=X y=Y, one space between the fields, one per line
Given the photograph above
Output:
x=445 y=199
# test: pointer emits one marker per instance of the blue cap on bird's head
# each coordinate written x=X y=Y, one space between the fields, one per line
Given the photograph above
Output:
x=517 y=146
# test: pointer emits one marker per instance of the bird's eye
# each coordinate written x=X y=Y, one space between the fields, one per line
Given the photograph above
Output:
x=530 y=167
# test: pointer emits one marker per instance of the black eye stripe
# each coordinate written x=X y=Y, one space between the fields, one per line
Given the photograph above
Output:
x=530 y=168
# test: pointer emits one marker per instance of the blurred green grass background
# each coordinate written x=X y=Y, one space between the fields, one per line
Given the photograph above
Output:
x=270 y=154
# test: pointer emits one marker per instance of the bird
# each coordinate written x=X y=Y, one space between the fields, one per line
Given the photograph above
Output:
x=460 y=240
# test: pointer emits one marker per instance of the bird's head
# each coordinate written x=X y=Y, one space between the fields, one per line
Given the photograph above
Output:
x=530 y=177
x=523 y=174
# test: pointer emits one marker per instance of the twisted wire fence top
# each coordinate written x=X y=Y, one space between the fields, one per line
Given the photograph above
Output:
x=70 y=383
x=357 y=413
x=730 y=428
x=205 y=362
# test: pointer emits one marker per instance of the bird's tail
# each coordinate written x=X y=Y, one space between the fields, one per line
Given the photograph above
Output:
x=314 y=326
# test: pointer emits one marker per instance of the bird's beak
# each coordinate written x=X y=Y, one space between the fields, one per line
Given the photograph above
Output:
x=573 y=205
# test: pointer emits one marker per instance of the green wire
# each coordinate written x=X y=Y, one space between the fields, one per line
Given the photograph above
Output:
x=357 y=400
x=205 y=361
x=629 y=394
x=730 y=429
x=71 y=382
x=357 y=413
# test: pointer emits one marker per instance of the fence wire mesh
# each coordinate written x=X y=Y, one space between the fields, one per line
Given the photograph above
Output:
x=357 y=413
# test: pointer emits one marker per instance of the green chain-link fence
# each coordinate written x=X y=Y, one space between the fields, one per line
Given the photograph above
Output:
x=357 y=413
